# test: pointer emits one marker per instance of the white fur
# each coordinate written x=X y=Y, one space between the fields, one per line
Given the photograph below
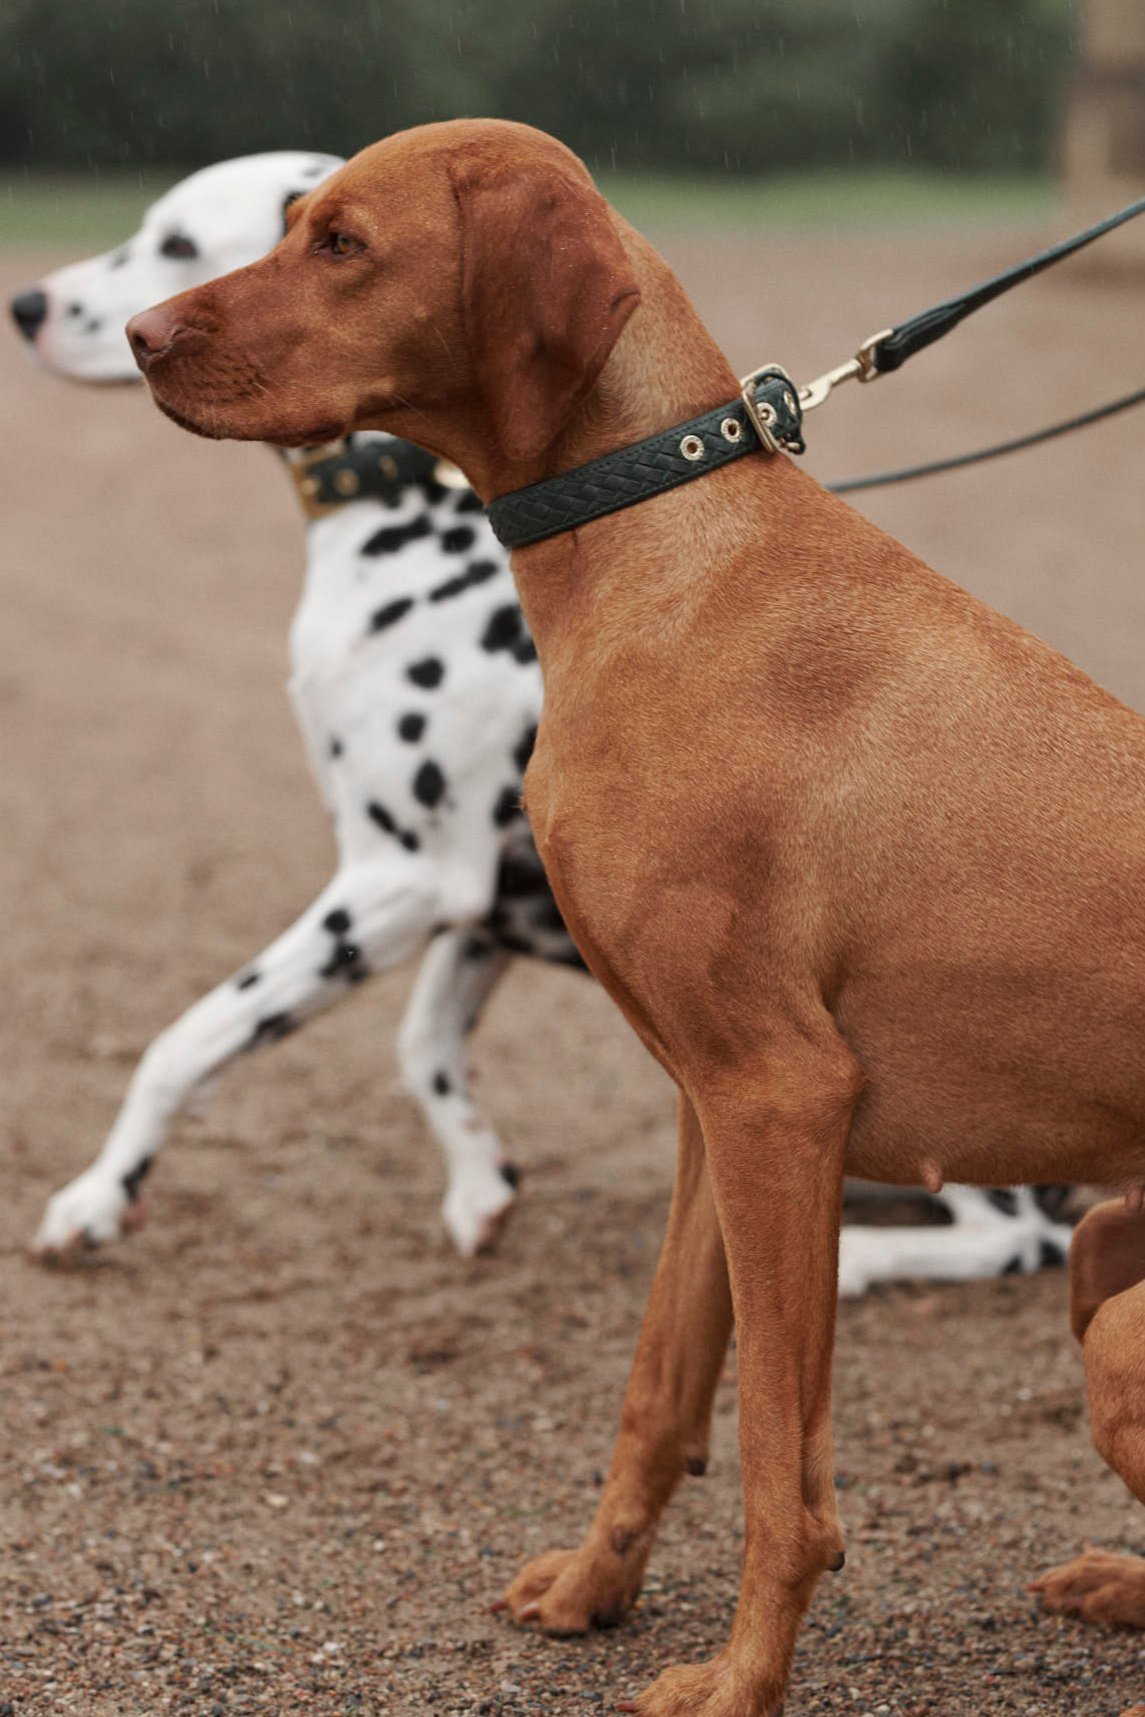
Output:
x=350 y=684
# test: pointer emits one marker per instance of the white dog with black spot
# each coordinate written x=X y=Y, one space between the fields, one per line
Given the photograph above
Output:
x=417 y=690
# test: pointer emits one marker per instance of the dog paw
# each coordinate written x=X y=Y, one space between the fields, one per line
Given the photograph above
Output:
x=475 y=1212
x=711 y=1689
x=569 y=1592
x=1098 y=1586
x=91 y=1211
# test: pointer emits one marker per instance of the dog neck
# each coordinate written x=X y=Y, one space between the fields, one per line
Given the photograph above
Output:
x=664 y=369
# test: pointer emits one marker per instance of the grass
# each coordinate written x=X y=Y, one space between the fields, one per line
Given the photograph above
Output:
x=80 y=212
x=84 y=212
x=884 y=198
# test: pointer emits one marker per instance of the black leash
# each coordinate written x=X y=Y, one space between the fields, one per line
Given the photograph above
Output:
x=891 y=350
x=769 y=415
x=957 y=461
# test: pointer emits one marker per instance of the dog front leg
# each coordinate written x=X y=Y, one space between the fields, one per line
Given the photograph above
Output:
x=458 y=975
x=664 y=1422
x=366 y=919
x=775 y=1145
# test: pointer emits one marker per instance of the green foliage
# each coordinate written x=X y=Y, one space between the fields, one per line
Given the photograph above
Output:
x=710 y=84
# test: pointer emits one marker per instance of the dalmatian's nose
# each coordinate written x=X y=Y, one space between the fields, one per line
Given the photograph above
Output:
x=28 y=311
x=150 y=334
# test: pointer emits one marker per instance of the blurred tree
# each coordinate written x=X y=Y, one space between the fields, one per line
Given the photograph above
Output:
x=751 y=84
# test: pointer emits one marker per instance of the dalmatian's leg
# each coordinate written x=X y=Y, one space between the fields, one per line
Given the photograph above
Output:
x=457 y=977
x=983 y=1240
x=368 y=918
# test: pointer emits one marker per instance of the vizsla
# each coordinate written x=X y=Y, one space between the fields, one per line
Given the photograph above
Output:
x=862 y=862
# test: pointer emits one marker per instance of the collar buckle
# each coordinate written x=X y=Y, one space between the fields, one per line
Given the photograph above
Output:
x=774 y=408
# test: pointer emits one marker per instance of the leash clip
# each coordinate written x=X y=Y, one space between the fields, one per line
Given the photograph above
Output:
x=862 y=367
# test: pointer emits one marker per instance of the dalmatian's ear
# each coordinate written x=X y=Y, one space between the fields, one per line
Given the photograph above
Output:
x=288 y=202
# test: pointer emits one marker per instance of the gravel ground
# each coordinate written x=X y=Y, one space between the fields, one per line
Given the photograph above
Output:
x=280 y=1453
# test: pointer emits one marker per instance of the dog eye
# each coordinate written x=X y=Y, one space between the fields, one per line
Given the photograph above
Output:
x=178 y=245
x=342 y=244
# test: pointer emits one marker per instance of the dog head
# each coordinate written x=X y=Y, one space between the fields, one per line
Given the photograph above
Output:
x=461 y=284
x=214 y=221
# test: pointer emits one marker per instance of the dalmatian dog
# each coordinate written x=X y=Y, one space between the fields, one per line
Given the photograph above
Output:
x=416 y=687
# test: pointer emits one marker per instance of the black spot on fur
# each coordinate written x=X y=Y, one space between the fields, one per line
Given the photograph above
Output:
x=441 y=1085
x=1014 y=1267
x=118 y=260
x=1052 y=1201
x=272 y=1029
x=429 y=784
x=468 y=503
x=337 y=922
x=336 y=746
x=93 y=325
x=428 y=673
x=524 y=651
x=695 y=1466
x=133 y=1181
x=378 y=814
x=521 y=874
x=458 y=538
x=1004 y=1199
x=345 y=961
x=523 y=749
x=390 y=614
x=179 y=247
x=74 y=310
x=476 y=948
x=411 y=727
x=247 y=981
x=503 y=629
x=511 y=1175
x=508 y=807
x=476 y=573
x=1050 y=1257
x=393 y=537
x=546 y=914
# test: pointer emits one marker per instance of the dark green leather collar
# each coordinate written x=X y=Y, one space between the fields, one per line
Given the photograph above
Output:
x=362 y=468
x=766 y=416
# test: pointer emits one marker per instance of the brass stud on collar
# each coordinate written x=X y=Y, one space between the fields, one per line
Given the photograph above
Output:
x=347 y=483
x=310 y=487
x=731 y=429
x=692 y=447
x=388 y=466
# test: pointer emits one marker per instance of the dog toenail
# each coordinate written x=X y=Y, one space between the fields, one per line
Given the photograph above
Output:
x=501 y=1605
x=837 y=1561
x=530 y=1613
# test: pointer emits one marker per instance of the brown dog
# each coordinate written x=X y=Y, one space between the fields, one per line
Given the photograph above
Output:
x=862 y=862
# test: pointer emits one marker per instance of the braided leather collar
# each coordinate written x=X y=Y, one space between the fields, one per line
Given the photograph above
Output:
x=773 y=421
x=363 y=468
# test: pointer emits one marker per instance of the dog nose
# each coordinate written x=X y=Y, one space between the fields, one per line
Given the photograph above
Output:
x=150 y=333
x=28 y=311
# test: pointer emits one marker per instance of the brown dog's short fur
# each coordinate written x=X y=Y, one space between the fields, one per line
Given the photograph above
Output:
x=861 y=861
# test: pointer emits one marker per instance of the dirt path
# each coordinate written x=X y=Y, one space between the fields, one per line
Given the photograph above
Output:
x=280 y=1453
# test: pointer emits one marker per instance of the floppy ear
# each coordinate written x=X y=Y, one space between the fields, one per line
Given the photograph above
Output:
x=546 y=290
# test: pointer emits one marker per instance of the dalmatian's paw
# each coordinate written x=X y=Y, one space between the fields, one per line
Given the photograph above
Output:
x=92 y=1210
x=476 y=1208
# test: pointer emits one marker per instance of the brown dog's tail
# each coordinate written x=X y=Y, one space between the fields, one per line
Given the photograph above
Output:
x=1106 y=1257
